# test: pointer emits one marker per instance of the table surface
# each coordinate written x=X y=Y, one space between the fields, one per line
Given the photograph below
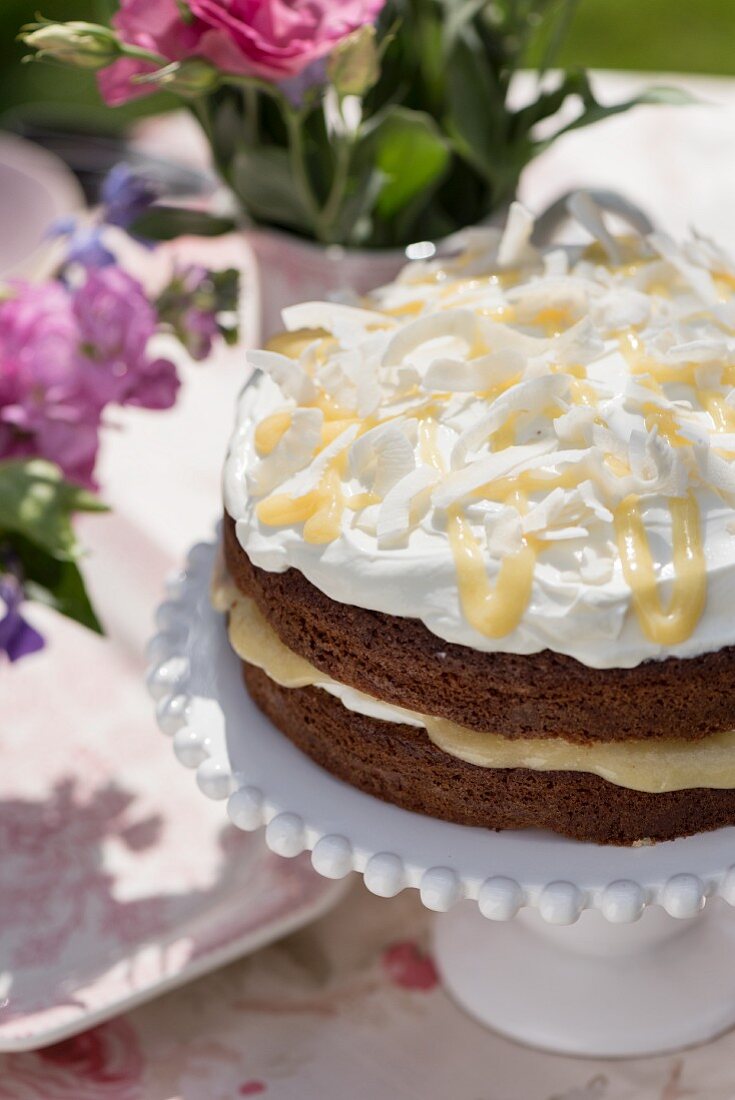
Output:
x=351 y=1006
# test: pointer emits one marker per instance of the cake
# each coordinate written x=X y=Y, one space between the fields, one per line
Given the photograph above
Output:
x=479 y=535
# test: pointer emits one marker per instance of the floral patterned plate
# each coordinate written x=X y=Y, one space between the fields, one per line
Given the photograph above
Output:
x=117 y=879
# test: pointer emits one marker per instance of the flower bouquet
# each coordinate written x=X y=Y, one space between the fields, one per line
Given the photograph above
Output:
x=364 y=123
x=71 y=349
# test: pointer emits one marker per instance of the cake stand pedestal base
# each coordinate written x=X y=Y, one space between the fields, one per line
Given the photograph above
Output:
x=593 y=988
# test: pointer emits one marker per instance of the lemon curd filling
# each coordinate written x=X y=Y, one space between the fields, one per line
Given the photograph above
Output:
x=650 y=766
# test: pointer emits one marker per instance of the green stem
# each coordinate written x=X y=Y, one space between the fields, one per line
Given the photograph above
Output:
x=250 y=110
x=335 y=198
x=253 y=83
x=297 y=154
x=200 y=110
x=143 y=55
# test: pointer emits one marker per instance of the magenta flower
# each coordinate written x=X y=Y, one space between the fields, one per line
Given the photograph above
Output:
x=115 y=323
x=272 y=39
x=276 y=39
x=65 y=354
x=44 y=409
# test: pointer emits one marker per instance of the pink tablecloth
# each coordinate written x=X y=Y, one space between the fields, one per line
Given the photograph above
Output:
x=350 y=1009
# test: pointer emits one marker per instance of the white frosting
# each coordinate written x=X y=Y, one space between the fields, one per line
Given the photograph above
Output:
x=675 y=304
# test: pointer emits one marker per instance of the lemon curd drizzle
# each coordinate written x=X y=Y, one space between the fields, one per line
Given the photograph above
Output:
x=270 y=431
x=492 y=609
x=674 y=623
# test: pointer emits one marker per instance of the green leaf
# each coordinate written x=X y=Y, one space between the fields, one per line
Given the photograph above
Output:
x=477 y=116
x=263 y=181
x=36 y=503
x=548 y=103
x=459 y=16
x=353 y=223
x=408 y=150
x=165 y=223
x=58 y=584
x=593 y=111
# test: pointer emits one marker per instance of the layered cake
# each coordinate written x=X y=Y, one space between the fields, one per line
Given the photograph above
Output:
x=479 y=536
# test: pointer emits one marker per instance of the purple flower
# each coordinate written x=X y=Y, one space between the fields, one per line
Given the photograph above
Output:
x=125 y=196
x=17 y=637
x=44 y=408
x=296 y=88
x=86 y=247
x=193 y=304
x=199 y=328
x=115 y=323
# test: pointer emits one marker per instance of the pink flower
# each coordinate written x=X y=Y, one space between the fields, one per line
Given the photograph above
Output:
x=271 y=39
x=115 y=323
x=64 y=355
x=276 y=39
x=408 y=967
x=105 y=1062
x=155 y=25
x=44 y=409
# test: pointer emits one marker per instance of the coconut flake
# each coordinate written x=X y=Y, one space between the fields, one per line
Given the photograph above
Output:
x=717 y=472
x=459 y=323
x=585 y=210
x=556 y=263
x=515 y=248
x=655 y=464
x=473 y=375
x=382 y=456
x=574 y=427
x=530 y=396
x=460 y=483
x=346 y=323
x=307 y=479
x=399 y=511
x=287 y=373
x=620 y=308
x=696 y=277
x=504 y=531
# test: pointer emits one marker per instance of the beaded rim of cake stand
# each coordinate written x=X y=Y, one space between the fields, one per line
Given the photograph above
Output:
x=499 y=897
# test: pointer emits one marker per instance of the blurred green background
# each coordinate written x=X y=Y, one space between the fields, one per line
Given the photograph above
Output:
x=661 y=35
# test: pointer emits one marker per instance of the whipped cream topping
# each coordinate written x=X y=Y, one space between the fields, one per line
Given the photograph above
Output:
x=526 y=451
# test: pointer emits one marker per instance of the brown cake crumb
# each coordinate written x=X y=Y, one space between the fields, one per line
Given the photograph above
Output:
x=399 y=764
x=542 y=694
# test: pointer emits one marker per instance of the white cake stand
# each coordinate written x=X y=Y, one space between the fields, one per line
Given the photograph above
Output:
x=585 y=967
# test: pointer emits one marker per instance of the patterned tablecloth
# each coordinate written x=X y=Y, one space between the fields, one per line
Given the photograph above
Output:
x=347 y=1009
x=350 y=1008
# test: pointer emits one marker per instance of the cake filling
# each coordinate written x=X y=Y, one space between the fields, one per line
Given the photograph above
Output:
x=651 y=767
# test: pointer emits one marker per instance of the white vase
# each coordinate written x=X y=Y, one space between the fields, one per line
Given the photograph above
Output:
x=291 y=270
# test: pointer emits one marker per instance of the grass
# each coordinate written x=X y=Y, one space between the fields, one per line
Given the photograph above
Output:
x=661 y=35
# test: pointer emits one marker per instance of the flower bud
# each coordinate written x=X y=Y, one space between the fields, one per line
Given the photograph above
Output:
x=353 y=65
x=86 y=45
x=189 y=78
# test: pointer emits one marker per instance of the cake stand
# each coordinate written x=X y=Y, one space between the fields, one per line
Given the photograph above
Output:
x=569 y=947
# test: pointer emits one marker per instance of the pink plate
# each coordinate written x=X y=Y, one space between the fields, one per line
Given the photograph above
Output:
x=117 y=879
